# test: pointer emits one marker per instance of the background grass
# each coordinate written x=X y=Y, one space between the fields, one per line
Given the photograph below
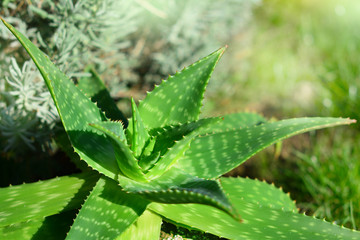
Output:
x=305 y=61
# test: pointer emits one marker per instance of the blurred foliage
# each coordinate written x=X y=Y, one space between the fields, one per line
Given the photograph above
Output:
x=332 y=180
x=338 y=40
x=138 y=42
x=278 y=66
x=302 y=60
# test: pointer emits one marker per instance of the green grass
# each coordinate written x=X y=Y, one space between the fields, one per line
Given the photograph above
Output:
x=302 y=60
x=305 y=60
x=332 y=179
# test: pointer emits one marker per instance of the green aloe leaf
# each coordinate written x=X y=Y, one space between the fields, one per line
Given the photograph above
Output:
x=35 y=200
x=231 y=122
x=177 y=150
x=148 y=158
x=107 y=212
x=63 y=142
x=262 y=214
x=258 y=192
x=52 y=227
x=176 y=186
x=94 y=88
x=178 y=99
x=147 y=227
x=114 y=127
x=136 y=132
x=76 y=112
x=127 y=163
x=212 y=155
x=167 y=136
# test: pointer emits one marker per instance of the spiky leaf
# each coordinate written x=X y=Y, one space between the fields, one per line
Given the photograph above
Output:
x=148 y=157
x=178 y=100
x=258 y=192
x=176 y=186
x=34 y=200
x=95 y=89
x=52 y=227
x=167 y=136
x=63 y=142
x=115 y=128
x=136 y=132
x=234 y=121
x=147 y=227
x=107 y=212
x=215 y=154
x=179 y=146
x=76 y=112
x=125 y=158
x=262 y=218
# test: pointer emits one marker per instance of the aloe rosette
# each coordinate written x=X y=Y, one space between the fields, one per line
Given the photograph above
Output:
x=164 y=162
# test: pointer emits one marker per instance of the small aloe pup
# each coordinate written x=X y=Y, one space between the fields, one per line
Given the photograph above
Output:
x=167 y=163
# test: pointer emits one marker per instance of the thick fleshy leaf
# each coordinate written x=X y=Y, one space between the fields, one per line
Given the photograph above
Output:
x=148 y=157
x=257 y=192
x=147 y=227
x=127 y=163
x=95 y=89
x=177 y=150
x=136 y=132
x=52 y=227
x=178 y=99
x=167 y=136
x=35 y=200
x=63 y=142
x=215 y=154
x=231 y=122
x=261 y=220
x=176 y=186
x=76 y=112
x=107 y=212
x=116 y=128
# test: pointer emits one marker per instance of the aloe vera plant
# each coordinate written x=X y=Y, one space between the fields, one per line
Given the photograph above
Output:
x=164 y=162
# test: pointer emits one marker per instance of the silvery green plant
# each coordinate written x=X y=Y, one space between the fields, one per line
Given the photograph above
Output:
x=167 y=163
x=27 y=112
x=128 y=42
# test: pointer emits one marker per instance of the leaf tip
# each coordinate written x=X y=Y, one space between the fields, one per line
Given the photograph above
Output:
x=352 y=120
x=5 y=23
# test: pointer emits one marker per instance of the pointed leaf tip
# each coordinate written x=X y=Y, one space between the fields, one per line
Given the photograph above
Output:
x=136 y=132
x=179 y=99
x=352 y=120
x=231 y=148
x=95 y=149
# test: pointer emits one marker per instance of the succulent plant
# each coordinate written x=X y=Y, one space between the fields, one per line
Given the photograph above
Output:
x=167 y=163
